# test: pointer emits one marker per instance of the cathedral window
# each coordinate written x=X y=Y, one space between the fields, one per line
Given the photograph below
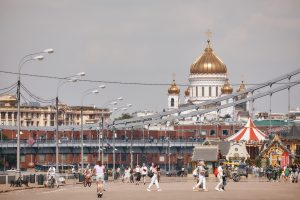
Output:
x=172 y=102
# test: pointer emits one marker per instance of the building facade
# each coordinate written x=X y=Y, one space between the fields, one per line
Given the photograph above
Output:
x=36 y=115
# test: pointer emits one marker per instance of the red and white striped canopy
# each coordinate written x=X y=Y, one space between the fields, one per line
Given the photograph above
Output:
x=248 y=133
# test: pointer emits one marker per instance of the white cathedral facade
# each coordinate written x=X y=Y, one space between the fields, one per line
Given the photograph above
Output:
x=207 y=80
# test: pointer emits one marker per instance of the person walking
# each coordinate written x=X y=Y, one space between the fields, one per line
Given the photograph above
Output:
x=127 y=175
x=220 y=177
x=98 y=171
x=154 y=178
x=201 y=176
x=144 y=172
x=137 y=173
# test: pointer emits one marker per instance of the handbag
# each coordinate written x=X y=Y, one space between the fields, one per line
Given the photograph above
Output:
x=150 y=174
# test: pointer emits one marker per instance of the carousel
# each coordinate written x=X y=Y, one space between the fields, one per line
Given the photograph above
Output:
x=250 y=137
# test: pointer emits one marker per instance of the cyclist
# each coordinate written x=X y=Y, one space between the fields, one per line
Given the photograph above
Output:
x=51 y=174
x=98 y=171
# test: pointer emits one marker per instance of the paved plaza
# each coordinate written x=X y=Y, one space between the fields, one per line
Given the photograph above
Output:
x=172 y=188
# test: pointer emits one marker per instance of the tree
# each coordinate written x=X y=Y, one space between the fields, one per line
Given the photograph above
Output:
x=125 y=116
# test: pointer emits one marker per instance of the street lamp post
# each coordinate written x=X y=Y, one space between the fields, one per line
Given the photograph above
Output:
x=85 y=93
x=114 y=152
x=24 y=60
x=69 y=79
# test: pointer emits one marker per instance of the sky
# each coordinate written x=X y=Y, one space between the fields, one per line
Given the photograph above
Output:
x=146 y=42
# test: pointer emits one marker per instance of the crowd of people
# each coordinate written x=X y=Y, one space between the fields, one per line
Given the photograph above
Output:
x=140 y=175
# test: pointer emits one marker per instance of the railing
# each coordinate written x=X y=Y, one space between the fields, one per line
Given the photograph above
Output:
x=110 y=142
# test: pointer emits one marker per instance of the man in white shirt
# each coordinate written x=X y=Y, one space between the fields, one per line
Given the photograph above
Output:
x=144 y=172
x=220 y=175
x=201 y=170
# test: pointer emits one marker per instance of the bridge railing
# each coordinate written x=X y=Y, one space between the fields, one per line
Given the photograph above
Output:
x=105 y=143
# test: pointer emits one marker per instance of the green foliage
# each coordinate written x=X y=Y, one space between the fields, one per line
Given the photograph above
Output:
x=125 y=116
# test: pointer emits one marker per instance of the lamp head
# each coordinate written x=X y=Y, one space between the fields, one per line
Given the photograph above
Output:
x=49 y=51
x=101 y=86
x=39 y=57
x=120 y=98
x=114 y=103
x=95 y=91
x=73 y=80
x=129 y=105
x=81 y=74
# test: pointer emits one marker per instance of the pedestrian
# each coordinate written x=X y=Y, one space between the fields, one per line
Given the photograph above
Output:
x=201 y=177
x=144 y=172
x=225 y=172
x=127 y=174
x=137 y=173
x=99 y=171
x=154 y=178
x=220 y=178
x=158 y=173
x=286 y=173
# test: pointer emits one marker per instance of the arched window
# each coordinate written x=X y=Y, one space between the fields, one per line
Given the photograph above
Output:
x=172 y=102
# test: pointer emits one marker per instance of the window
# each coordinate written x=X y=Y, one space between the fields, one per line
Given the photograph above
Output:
x=203 y=132
x=203 y=91
x=236 y=130
x=217 y=91
x=209 y=91
x=64 y=157
x=212 y=133
x=161 y=158
x=225 y=132
x=41 y=158
x=124 y=157
x=196 y=91
x=22 y=158
x=172 y=102
x=85 y=158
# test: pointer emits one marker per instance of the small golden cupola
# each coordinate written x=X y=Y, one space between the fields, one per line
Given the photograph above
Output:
x=242 y=87
x=174 y=89
x=226 y=89
x=187 y=92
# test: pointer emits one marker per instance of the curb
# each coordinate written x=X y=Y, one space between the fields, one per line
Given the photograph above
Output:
x=15 y=189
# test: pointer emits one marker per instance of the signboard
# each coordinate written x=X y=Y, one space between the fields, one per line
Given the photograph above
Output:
x=285 y=159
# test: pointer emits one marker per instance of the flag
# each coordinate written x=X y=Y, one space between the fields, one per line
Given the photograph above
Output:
x=30 y=141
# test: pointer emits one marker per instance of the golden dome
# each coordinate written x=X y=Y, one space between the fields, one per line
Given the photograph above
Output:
x=226 y=89
x=242 y=87
x=208 y=63
x=173 y=89
x=187 y=92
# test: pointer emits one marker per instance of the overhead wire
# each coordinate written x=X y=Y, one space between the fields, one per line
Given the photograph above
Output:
x=120 y=82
